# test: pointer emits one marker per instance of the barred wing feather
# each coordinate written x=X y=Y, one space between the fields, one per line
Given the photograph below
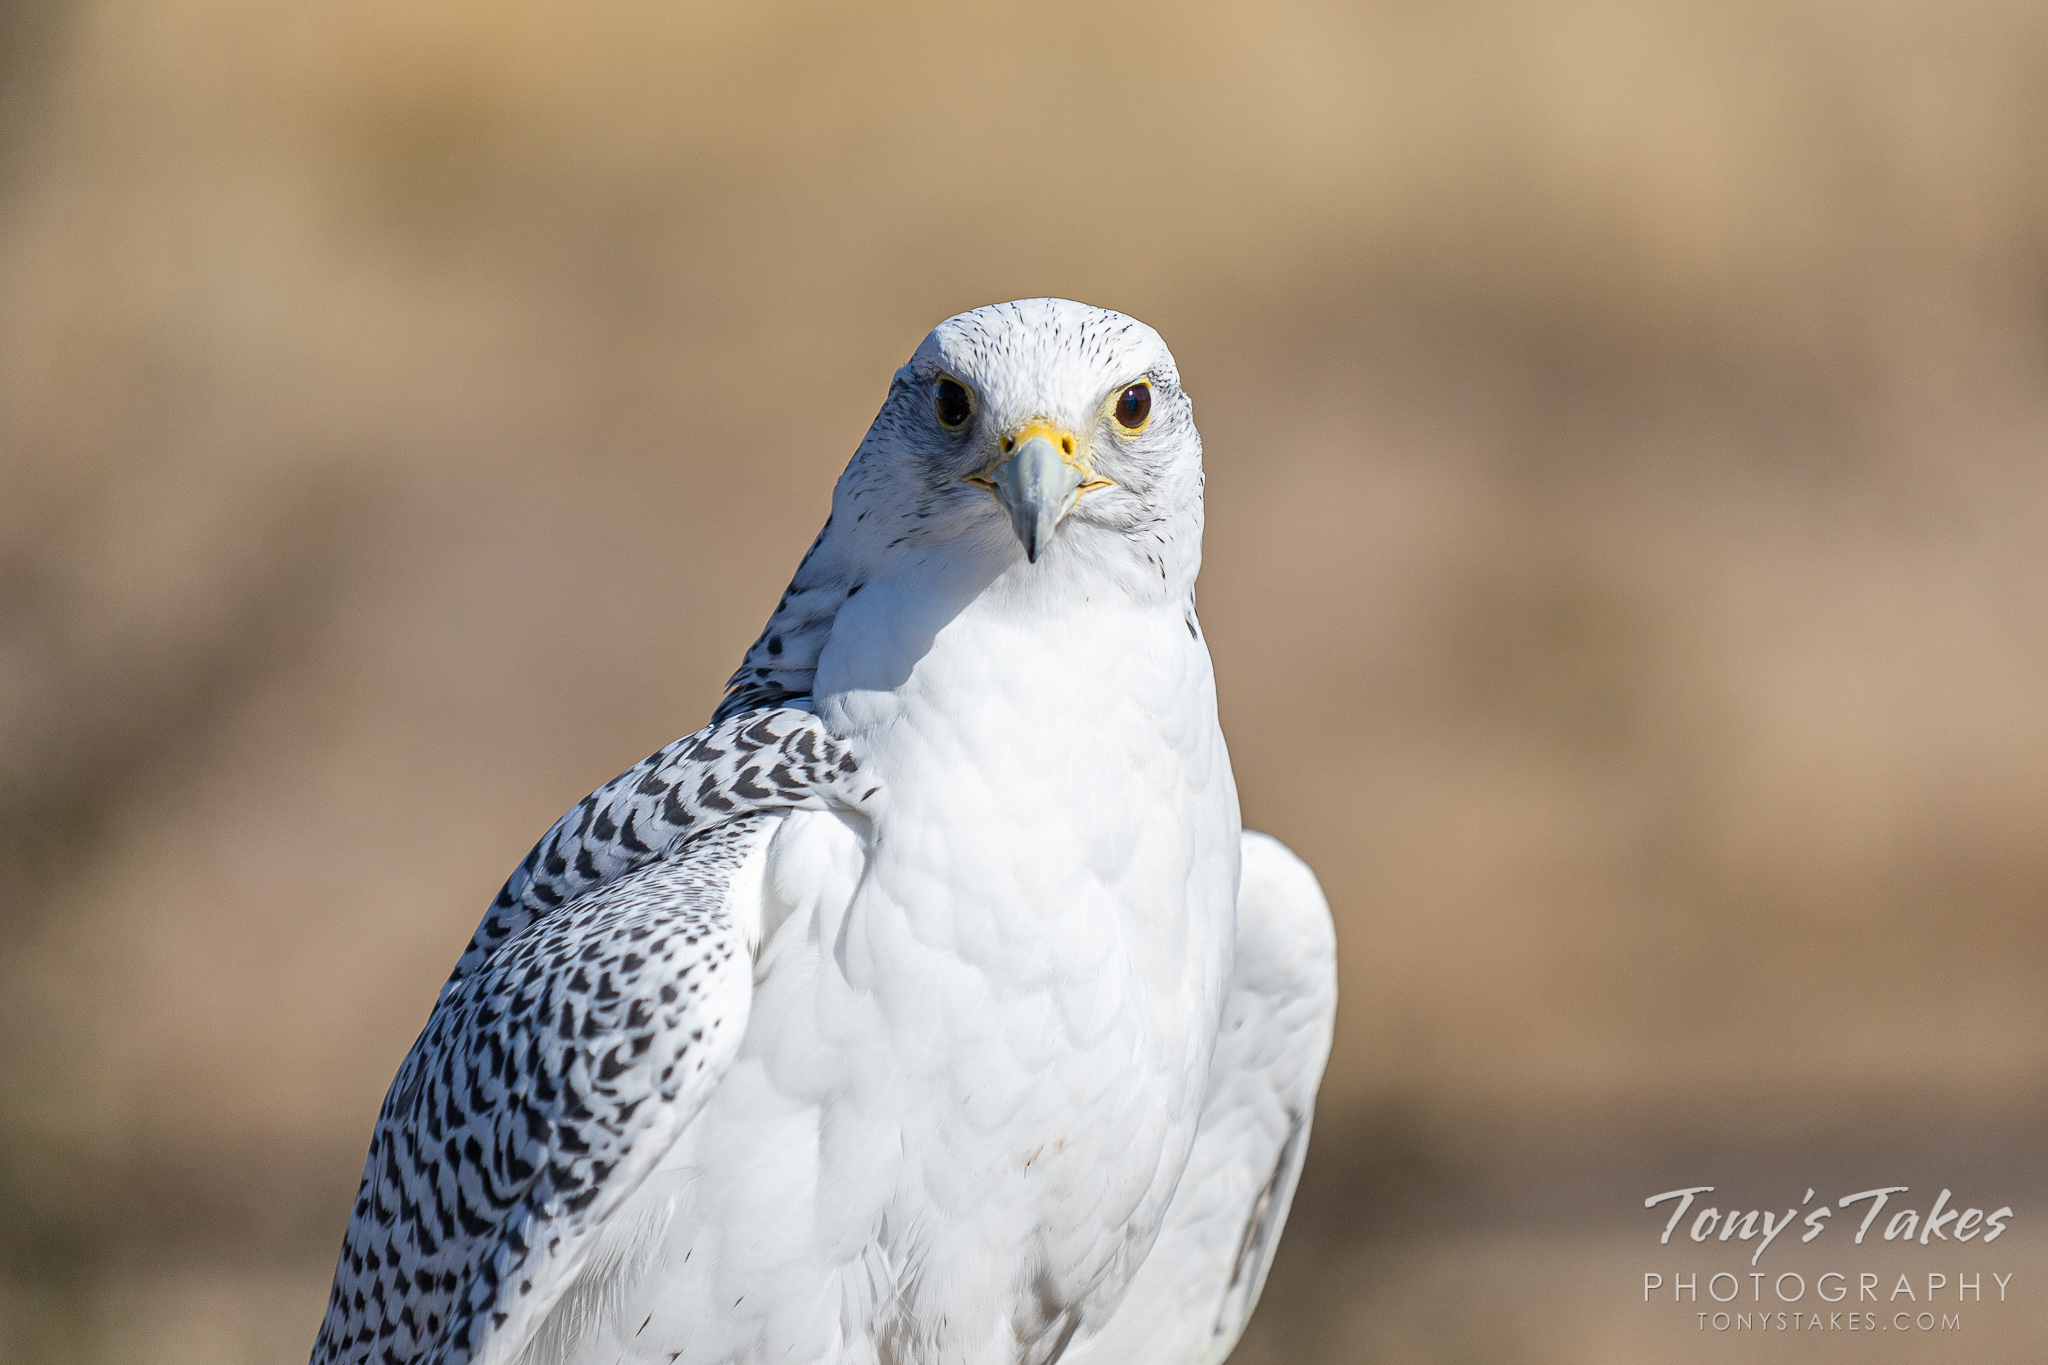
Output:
x=595 y=1010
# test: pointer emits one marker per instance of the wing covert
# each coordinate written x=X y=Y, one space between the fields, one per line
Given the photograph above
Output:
x=1190 y=1299
x=596 y=1008
x=761 y=760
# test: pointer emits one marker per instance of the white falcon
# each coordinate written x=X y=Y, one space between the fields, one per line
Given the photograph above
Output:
x=929 y=1007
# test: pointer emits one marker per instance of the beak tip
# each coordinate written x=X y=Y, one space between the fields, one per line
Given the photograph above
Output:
x=1037 y=488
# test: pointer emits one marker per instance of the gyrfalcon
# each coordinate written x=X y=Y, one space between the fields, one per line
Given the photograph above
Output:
x=929 y=1006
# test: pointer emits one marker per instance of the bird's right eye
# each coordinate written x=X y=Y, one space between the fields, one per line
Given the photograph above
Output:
x=953 y=404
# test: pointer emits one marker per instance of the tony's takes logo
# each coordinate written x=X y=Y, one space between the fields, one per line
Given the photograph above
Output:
x=1712 y=1224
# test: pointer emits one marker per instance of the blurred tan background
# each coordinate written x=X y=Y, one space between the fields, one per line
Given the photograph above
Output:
x=1626 y=429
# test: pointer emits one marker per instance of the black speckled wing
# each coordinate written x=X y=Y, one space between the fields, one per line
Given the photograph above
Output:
x=745 y=763
x=594 y=1011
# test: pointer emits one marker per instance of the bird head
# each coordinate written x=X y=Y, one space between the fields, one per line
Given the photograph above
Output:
x=1036 y=430
x=1042 y=450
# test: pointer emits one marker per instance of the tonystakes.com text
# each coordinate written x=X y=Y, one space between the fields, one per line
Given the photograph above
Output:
x=1834 y=1300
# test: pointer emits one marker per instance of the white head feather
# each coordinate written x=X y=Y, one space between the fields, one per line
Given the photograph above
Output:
x=917 y=493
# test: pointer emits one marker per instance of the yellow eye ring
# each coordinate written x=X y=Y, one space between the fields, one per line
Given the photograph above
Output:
x=952 y=404
x=1133 y=407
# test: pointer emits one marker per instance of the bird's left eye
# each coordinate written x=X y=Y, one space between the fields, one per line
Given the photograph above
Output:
x=1134 y=405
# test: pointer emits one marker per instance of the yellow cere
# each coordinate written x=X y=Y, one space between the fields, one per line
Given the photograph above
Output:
x=1063 y=441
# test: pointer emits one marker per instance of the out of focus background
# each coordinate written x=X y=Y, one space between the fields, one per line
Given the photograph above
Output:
x=1627 y=429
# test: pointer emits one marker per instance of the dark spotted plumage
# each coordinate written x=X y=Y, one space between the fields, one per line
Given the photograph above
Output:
x=746 y=760
x=596 y=1006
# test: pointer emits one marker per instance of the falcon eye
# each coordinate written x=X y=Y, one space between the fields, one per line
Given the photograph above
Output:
x=953 y=404
x=1134 y=405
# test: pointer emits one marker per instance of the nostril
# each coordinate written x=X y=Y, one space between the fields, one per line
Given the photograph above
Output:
x=1066 y=445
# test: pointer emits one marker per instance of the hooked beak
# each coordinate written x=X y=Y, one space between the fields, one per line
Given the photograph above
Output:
x=1038 y=483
